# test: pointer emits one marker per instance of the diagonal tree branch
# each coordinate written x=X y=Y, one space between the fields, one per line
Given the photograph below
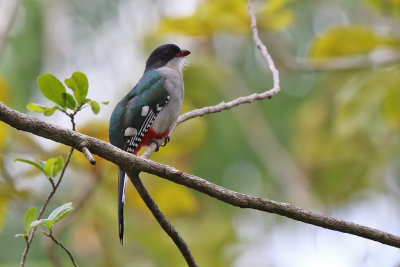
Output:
x=162 y=220
x=132 y=164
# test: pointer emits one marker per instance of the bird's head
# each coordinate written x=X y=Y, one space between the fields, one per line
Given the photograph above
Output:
x=169 y=55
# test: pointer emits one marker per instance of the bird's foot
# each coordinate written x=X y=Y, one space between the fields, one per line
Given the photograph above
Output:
x=166 y=141
x=156 y=143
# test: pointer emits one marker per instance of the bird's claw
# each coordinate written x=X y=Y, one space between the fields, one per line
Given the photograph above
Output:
x=156 y=143
x=166 y=141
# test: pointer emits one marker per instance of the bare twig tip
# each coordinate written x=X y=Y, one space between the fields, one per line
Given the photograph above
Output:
x=88 y=155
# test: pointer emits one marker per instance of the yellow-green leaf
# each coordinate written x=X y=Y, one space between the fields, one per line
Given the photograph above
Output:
x=30 y=216
x=95 y=107
x=46 y=222
x=79 y=84
x=53 y=166
x=61 y=212
x=30 y=163
x=50 y=111
x=52 y=88
x=36 y=108
x=69 y=101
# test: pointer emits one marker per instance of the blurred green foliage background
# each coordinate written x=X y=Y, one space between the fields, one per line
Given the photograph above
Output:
x=329 y=142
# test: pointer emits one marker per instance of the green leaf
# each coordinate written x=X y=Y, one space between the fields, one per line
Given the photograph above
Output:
x=30 y=216
x=46 y=222
x=95 y=107
x=69 y=101
x=79 y=85
x=53 y=166
x=52 y=88
x=47 y=111
x=31 y=163
x=61 y=212
x=54 y=216
x=36 y=108
x=50 y=111
x=105 y=102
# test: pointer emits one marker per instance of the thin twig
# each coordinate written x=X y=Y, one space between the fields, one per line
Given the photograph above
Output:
x=83 y=148
x=163 y=221
x=43 y=208
x=88 y=155
x=52 y=253
x=46 y=202
x=62 y=246
x=264 y=51
x=244 y=99
x=52 y=183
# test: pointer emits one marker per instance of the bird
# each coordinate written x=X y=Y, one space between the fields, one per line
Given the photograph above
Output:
x=149 y=111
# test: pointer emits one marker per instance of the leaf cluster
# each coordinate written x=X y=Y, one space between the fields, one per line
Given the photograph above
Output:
x=54 y=90
x=55 y=216
x=50 y=168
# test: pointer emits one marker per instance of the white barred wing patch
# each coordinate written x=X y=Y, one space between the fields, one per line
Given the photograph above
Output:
x=134 y=140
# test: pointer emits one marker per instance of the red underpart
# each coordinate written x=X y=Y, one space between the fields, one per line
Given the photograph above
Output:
x=150 y=135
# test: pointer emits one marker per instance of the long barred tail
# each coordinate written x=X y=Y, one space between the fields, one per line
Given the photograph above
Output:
x=122 y=179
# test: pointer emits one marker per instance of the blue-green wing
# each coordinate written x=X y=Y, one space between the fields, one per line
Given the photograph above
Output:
x=135 y=113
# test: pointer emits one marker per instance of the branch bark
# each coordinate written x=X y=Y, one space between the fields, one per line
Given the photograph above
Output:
x=162 y=220
x=132 y=164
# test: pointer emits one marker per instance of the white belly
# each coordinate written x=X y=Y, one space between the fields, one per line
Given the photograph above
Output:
x=166 y=119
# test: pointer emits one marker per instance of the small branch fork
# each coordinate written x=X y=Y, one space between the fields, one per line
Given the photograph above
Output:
x=44 y=206
x=51 y=236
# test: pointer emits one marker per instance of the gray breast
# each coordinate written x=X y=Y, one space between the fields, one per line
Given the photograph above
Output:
x=168 y=116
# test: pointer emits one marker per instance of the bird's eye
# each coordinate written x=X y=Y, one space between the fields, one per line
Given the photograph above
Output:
x=166 y=53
